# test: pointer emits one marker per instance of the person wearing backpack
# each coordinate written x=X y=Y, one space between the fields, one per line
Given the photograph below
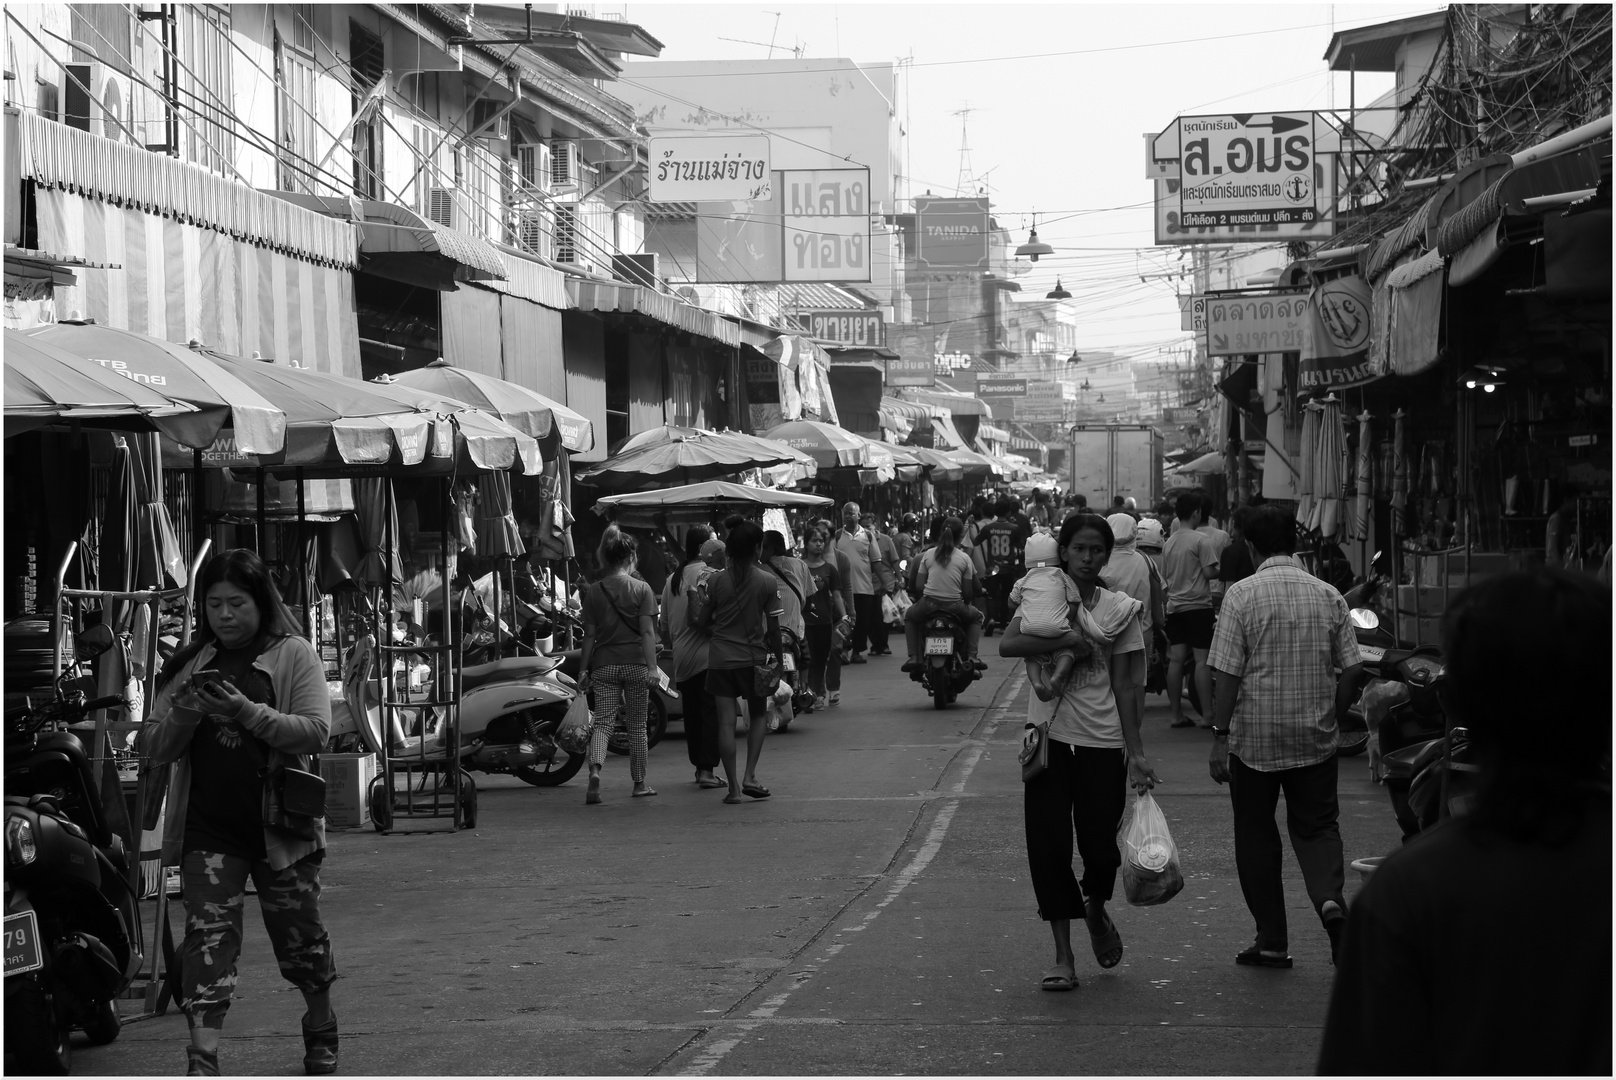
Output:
x=704 y=554
x=619 y=658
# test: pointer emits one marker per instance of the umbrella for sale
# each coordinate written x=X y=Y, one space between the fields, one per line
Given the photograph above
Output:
x=528 y=411
x=1363 y=497
x=1399 y=476
x=1330 y=471
x=687 y=458
x=1305 y=476
x=47 y=385
x=179 y=373
x=830 y=446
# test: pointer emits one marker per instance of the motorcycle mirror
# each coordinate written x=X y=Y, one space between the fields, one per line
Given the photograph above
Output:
x=1364 y=619
x=94 y=641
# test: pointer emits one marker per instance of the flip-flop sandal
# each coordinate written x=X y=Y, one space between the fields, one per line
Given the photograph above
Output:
x=755 y=791
x=733 y=799
x=1059 y=977
x=1107 y=944
x=645 y=793
x=715 y=782
x=1255 y=957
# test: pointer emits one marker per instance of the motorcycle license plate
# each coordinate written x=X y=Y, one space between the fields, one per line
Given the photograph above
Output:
x=939 y=646
x=22 y=944
x=1371 y=653
x=788 y=662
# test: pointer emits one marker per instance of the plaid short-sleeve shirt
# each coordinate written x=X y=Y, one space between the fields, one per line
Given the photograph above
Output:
x=1284 y=633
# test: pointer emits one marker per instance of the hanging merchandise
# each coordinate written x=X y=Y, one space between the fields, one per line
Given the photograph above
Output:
x=463 y=526
x=1363 y=477
x=1399 y=478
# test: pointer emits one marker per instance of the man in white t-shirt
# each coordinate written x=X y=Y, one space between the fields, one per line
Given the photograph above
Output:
x=863 y=551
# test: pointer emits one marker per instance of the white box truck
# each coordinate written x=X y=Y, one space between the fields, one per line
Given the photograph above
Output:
x=1106 y=460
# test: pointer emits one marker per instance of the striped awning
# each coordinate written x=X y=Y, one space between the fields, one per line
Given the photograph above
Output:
x=956 y=404
x=1022 y=439
x=589 y=295
x=911 y=411
x=992 y=434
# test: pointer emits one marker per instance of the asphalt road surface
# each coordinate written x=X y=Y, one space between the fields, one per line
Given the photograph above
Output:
x=873 y=916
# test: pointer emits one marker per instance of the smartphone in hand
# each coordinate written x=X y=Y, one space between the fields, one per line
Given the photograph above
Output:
x=205 y=678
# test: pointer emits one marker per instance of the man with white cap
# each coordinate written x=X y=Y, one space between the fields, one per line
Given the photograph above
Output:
x=1127 y=571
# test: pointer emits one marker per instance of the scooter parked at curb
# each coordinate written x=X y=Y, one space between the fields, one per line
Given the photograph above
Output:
x=72 y=922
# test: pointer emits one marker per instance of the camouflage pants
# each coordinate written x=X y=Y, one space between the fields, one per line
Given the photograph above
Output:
x=215 y=895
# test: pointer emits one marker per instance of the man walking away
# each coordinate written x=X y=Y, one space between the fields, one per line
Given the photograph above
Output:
x=1190 y=564
x=862 y=552
x=886 y=580
x=1001 y=545
x=1281 y=637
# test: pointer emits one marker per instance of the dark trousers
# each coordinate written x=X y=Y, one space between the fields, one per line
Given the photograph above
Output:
x=866 y=613
x=1082 y=793
x=1311 y=815
x=819 y=658
x=701 y=722
x=997 y=587
x=878 y=627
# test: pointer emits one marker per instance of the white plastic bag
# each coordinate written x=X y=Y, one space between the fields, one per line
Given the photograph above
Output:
x=889 y=610
x=573 y=734
x=1150 y=873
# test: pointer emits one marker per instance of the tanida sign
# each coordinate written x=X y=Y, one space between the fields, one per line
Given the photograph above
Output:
x=1247 y=169
x=951 y=233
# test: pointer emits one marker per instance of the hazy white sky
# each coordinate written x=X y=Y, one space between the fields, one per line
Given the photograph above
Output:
x=1060 y=95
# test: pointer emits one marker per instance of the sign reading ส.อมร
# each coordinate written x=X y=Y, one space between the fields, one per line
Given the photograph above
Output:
x=694 y=168
x=1239 y=325
x=1247 y=169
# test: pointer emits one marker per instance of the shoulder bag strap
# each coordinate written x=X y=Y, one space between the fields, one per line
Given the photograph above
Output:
x=780 y=573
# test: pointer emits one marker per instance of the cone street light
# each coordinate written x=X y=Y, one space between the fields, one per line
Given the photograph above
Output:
x=1058 y=293
x=1034 y=247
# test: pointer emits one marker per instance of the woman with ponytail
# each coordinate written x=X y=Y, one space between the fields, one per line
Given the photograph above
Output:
x=619 y=658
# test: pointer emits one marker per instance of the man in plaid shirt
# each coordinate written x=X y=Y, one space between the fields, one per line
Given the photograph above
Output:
x=1281 y=637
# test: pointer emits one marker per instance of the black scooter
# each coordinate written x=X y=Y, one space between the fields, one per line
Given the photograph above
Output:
x=946 y=667
x=72 y=924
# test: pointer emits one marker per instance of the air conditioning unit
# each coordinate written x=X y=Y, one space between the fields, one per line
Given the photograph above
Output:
x=638 y=269
x=565 y=168
x=440 y=206
x=532 y=232
x=533 y=165
x=83 y=80
x=568 y=238
x=482 y=112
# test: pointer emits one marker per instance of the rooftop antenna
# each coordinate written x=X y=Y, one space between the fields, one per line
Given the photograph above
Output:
x=964 y=183
x=796 y=50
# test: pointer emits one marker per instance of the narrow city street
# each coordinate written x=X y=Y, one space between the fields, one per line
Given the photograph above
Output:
x=873 y=916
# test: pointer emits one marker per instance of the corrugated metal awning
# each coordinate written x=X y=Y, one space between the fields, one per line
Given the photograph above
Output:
x=599 y=296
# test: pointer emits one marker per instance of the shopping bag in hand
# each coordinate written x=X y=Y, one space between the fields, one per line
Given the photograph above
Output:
x=573 y=734
x=1150 y=873
x=889 y=610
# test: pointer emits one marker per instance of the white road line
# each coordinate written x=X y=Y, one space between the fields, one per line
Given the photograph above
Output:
x=714 y=1053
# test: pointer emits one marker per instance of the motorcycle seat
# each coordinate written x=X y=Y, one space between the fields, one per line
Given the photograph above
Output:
x=512 y=667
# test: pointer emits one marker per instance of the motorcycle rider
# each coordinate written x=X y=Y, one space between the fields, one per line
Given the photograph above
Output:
x=945 y=576
x=1000 y=543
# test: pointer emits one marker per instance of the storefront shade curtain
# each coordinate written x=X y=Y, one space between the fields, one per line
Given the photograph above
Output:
x=1416 y=290
x=177 y=282
x=531 y=335
x=646 y=393
x=584 y=351
x=471 y=332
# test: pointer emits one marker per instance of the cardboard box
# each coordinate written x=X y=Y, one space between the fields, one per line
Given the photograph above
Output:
x=1425 y=631
x=347 y=782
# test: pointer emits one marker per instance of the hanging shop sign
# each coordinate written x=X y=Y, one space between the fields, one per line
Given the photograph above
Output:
x=1239 y=325
x=999 y=386
x=1045 y=401
x=1192 y=312
x=813 y=226
x=1247 y=169
x=866 y=329
x=951 y=234
x=916 y=346
x=1335 y=342
x=695 y=168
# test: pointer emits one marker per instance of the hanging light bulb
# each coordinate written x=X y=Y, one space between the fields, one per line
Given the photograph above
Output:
x=1034 y=247
x=1058 y=293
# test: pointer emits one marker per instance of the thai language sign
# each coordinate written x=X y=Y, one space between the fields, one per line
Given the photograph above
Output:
x=916 y=346
x=1335 y=347
x=814 y=226
x=1247 y=169
x=694 y=168
x=951 y=233
x=1045 y=401
x=1238 y=325
x=862 y=328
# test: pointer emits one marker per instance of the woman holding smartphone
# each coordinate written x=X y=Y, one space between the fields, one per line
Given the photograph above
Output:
x=244 y=699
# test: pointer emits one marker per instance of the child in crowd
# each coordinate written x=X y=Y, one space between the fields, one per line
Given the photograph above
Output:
x=1046 y=598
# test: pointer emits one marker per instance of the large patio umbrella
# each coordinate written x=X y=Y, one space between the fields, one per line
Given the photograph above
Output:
x=1209 y=464
x=1399 y=476
x=702 y=502
x=528 y=411
x=668 y=433
x=47 y=385
x=1363 y=495
x=1306 y=475
x=940 y=469
x=830 y=446
x=1329 y=471
x=976 y=466
x=687 y=456
x=177 y=372
x=464 y=437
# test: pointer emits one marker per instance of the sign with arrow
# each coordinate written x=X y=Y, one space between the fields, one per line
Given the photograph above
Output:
x=1240 y=325
x=1246 y=169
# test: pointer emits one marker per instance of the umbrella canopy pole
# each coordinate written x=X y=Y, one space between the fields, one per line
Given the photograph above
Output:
x=258 y=536
x=452 y=657
x=303 y=557
x=196 y=499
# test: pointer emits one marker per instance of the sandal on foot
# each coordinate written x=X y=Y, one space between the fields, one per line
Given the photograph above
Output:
x=712 y=782
x=733 y=799
x=1059 y=977
x=644 y=792
x=592 y=795
x=1266 y=958
x=320 y=1047
x=755 y=791
x=1107 y=944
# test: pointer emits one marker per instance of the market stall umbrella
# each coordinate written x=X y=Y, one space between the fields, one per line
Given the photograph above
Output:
x=670 y=433
x=702 y=502
x=178 y=372
x=830 y=446
x=1399 y=476
x=528 y=411
x=686 y=459
x=1306 y=476
x=47 y=385
x=376 y=518
x=1329 y=471
x=975 y=466
x=1362 y=491
x=940 y=468
x=1206 y=465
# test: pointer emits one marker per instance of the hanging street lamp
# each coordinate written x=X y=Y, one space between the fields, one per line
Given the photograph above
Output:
x=1034 y=247
x=1058 y=293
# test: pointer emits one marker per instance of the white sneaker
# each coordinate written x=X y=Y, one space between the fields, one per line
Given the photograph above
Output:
x=835 y=698
x=820 y=703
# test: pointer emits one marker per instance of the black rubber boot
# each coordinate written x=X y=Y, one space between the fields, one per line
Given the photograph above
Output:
x=200 y=1062
x=320 y=1048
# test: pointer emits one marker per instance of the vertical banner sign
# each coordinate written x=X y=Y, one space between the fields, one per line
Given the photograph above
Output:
x=1247 y=169
x=916 y=345
x=693 y=168
x=1335 y=343
x=951 y=234
x=813 y=226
